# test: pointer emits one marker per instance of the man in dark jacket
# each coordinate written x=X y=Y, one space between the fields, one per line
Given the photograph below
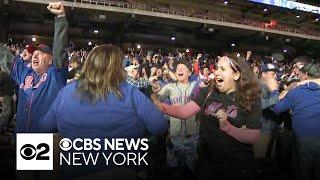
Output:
x=269 y=88
x=6 y=101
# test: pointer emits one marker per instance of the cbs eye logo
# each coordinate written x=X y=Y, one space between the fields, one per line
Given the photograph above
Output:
x=65 y=144
x=29 y=152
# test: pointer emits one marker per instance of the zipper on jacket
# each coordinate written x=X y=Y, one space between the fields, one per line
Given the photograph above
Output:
x=29 y=112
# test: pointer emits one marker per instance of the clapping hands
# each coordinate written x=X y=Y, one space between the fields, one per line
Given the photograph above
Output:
x=222 y=117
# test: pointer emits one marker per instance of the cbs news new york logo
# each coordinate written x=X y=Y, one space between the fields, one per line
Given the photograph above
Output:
x=34 y=151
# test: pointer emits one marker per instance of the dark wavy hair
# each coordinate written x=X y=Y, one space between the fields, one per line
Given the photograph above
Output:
x=248 y=87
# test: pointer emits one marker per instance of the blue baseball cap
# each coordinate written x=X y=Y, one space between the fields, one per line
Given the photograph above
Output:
x=269 y=67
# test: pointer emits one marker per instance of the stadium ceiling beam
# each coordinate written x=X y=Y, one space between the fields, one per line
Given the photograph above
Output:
x=106 y=6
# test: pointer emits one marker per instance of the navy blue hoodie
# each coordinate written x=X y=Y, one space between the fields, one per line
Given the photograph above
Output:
x=304 y=101
x=114 y=118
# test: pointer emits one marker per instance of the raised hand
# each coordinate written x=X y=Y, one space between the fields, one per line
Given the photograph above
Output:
x=24 y=55
x=56 y=8
x=152 y=79
x=156 y=87
x=249 y=53
x=165 y=66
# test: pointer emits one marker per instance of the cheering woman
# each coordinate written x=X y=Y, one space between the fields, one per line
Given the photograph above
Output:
x=229 y=112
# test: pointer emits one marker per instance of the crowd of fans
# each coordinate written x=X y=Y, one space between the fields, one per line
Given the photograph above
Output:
x=203 y=14
x=231 y=116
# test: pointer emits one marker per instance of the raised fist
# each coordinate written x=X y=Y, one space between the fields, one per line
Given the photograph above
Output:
x=56 y=8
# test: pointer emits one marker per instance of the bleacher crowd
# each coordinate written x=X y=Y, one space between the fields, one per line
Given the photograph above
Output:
x=233 y=116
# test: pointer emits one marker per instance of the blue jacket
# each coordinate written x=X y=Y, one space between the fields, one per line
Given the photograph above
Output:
x=304 y=101
x=37 y=92
x=128 y=117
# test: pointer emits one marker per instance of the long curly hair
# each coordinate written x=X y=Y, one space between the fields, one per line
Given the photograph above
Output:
x=248 y=90
x=102 y=73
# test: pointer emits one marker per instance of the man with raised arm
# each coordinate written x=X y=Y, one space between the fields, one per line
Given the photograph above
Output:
x=40 y=84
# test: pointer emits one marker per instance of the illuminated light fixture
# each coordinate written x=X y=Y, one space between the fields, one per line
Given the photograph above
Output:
x=285 y=50
x=138 y=46
x=291 y=4
x=90 y=43
x=173 y=38
x=225 y=2
x=298 y=16
x=233 y=45
x=265 y=10
x=34 y=39
x=187 y=50
x=238 y=54
x=317 y=19
x=96 y=31
x=102 y=16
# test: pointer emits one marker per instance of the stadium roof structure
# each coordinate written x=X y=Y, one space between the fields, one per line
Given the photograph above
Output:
x=156 y=29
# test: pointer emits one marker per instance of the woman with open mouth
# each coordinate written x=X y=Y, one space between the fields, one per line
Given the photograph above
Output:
x=229 y=112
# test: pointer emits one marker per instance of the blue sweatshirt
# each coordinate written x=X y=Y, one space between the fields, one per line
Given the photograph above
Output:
x=304 y=101
x=128 y=117
x=36 y=93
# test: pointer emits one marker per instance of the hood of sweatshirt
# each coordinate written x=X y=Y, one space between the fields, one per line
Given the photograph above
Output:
x=311 y=86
